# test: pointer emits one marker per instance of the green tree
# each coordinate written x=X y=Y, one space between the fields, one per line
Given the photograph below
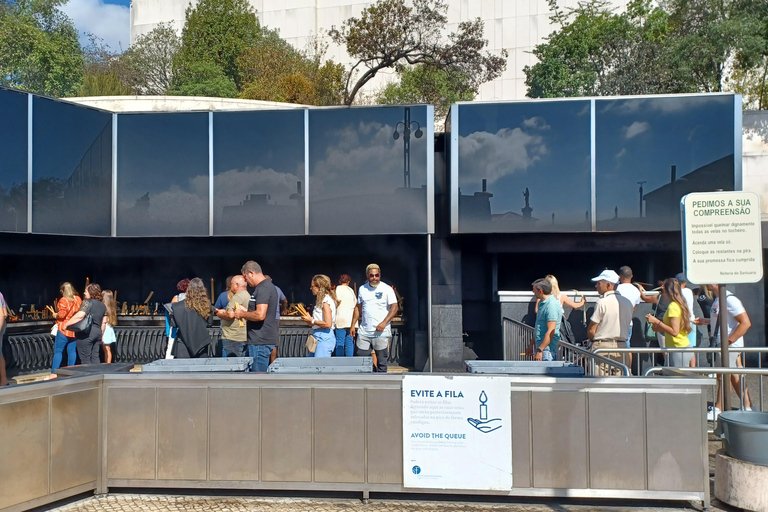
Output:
x=708 y=35
x=203 y=78
x=100 y=77
x=39 y=50
x=217 y=32
x=426 y=84
x=391 y=33
x=273 y=70
x=147 y=66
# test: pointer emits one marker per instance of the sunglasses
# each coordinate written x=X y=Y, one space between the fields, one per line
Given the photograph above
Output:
x=374 y=275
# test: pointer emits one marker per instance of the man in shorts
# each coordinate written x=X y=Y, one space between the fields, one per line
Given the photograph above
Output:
x=376 y=306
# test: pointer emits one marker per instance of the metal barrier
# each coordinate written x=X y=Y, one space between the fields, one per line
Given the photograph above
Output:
x=32 y=353
x=710 y=369
x=593 y=363
x=517 y=339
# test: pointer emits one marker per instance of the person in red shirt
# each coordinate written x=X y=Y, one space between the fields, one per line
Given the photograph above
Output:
x=68 y=305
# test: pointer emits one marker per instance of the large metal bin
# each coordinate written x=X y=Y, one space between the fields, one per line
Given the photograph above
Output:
x=309 y=365
x=208 y=364
x=745 y=435
x=549 y=368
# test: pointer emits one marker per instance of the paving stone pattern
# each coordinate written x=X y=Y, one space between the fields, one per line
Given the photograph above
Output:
x=171 y=503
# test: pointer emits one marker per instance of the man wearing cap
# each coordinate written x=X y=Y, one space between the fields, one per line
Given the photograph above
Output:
x=609 y=324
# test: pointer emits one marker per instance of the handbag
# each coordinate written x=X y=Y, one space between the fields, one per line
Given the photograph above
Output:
x=650 y=334
x=54 y=329
x=83 y=325
x=311 y=344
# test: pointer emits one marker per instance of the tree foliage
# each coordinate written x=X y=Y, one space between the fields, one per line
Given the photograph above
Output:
x=39 y=49
x=273 y=70
x=147 y=66
x=427 y=84
x=203 y=78
x=678 y=46
x=217 y=32
x=391 y=33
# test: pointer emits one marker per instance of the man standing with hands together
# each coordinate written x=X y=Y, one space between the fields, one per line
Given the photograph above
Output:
x=376 y=306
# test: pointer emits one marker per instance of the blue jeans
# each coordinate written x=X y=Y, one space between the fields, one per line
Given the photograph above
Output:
x=260 y=355
x=345 y=345
x=60 y=343
x=326 y=342
x=231 y=348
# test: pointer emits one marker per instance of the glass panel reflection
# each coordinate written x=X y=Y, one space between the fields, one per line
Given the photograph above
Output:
x=367 y=173
x=755 y=156
x=13 y=163
x=524 y=167
x=162 y=174
x=71 y=169
x=258 y=173
x=653 y=151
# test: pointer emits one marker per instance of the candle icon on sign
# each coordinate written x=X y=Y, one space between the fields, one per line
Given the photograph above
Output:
x=483 y=406
x=483 y=424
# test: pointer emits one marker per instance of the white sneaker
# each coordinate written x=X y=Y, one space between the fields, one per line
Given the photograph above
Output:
x=749 y=408
x=713 y=414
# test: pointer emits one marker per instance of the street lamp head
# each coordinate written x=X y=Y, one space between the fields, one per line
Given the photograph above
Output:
x=396 y=135
x=418 y=133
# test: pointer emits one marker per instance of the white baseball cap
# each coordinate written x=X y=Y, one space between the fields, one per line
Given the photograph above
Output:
x=607 y=275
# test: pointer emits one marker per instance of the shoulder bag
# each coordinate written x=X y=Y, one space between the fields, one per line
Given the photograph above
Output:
x=311 y=344
x=650 y=334
x=83 y=325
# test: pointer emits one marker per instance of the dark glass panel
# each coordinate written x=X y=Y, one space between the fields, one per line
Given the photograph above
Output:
x=71 y=169
x=653 y=151
x=524 y=166
x=359 y=181
x=13 y=161
x=755 y=156
x=162 y=174
x=258 y=167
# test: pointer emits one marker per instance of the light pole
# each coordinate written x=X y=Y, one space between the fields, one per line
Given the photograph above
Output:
x=641 y=183
x=407 y=144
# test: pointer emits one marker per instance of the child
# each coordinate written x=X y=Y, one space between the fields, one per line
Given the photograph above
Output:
x=108 y=337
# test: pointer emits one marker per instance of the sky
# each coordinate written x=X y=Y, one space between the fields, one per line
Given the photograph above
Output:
x=107 y=19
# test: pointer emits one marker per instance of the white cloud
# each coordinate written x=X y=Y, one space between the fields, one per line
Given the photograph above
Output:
x=536 y=122
x=108 y=22
x=492 y=156
x=621 y=154
x=635 y=129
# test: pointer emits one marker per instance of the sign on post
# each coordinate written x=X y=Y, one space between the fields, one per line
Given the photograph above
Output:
x=457 y=432
x=721 y=237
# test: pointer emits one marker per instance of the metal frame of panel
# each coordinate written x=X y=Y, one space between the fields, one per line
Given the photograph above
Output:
x=454 y=149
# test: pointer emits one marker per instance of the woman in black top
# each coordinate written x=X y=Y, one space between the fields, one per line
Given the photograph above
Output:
x=191 y=317
x=89 y=340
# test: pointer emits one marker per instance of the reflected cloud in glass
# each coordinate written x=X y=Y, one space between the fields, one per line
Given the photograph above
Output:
x=367 y=174
x=162 y=174
x=650 y=152
x=13 y=164
x=71 y=169
x=258 y=173
x=524 y=166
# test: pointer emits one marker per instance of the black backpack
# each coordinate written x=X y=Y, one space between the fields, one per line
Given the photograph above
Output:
x=566 y=333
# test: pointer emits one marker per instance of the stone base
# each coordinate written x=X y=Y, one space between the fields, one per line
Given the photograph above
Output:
x=741 y=484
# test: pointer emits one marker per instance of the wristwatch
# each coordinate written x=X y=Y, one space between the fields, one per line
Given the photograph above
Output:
x=539 y=350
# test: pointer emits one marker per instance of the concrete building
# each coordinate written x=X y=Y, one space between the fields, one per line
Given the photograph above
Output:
x=514 y=25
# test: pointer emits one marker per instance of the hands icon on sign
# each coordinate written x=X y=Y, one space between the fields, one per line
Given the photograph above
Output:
x=485 y=426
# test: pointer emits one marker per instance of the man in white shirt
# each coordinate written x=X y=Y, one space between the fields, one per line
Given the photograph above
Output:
x=609 y=325
x=630 y=292
x=345 y=344
x=376 y=306
x=738 y=323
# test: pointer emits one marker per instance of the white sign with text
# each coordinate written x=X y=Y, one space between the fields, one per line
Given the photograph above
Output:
x=722 y=241
x=457 y=432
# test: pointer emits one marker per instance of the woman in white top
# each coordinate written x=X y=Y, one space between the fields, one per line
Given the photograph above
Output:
x=561 y=297
x=345 y=345
x=323 y=315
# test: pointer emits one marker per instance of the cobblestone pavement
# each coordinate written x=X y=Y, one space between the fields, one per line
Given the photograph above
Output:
x=222 y=503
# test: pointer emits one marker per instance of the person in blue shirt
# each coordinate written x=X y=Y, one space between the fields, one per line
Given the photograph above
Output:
x=223 y=299
x=547 y=328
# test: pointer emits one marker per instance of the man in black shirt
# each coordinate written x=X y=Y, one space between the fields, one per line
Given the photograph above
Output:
x=263 y=325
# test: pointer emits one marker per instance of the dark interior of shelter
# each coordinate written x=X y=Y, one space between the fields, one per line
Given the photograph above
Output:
x=509 y=193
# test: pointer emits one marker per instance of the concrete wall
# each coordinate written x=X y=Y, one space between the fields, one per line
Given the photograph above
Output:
x=514 y=25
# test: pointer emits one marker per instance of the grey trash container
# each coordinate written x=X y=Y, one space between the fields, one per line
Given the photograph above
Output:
x=548 y=368
x=208 y=364
x=744 y=435
x=313 y=365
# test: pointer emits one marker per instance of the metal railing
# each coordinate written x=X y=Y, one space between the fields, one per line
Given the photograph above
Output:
x=711 y=364
x=517 y=339
x=593 y=363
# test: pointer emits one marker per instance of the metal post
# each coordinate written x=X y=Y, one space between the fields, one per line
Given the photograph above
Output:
x=429 y=300
x=407 y=149
x=724 y=361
